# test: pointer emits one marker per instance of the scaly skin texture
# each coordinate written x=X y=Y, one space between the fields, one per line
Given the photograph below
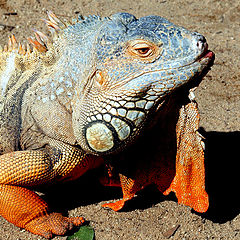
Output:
x=90 y=92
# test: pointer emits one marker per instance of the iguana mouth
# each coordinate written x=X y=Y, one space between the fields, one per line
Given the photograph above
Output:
x=206 y=60
x=206 y=54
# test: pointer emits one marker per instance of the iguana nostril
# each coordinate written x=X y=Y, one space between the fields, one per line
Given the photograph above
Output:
x=201 y=40
x=204 y=47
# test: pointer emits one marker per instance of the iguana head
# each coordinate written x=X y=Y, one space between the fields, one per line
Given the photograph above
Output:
x=113 y=74
x=137 y=64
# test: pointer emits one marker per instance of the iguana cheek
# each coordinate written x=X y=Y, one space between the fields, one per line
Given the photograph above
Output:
x=99 y=137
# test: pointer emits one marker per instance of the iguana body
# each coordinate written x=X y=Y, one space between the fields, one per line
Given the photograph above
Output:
x=88 y=93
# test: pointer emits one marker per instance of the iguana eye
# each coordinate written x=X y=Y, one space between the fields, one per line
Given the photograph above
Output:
x=143 y=49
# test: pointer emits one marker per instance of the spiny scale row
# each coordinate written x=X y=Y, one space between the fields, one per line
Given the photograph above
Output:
x=14 y=46
x=41 y=41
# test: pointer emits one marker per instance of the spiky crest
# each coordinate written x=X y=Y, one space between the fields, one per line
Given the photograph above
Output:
x=41 y=44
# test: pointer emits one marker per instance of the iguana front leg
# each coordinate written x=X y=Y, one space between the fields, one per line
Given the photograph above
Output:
x=129 y=188
x=26 y=209
x=23 y=207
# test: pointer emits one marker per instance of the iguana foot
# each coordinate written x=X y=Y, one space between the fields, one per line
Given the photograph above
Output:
x=26 y=209
x=53 y=224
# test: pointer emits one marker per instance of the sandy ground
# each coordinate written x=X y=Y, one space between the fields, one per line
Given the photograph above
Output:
x=151 y=215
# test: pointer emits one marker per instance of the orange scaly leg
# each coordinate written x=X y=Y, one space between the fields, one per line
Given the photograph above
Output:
x=23 y=207
x=26 y=209
x=129 y=188
x=182 y=173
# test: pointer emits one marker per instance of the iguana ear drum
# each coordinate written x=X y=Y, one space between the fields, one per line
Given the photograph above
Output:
x=103 y=136
x=107 y=132
x=99 y=137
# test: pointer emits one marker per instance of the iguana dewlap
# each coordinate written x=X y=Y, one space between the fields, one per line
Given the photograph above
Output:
x=90 y=92
x=170 y=155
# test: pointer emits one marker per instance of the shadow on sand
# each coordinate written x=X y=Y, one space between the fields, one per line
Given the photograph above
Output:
x=222 y=157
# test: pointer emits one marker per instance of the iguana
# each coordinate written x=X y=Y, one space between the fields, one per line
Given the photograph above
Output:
x=88 y=93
